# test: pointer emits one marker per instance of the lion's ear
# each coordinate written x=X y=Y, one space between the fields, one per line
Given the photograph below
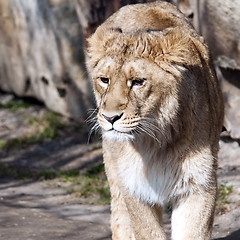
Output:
x=201 y=47
x=205 y=56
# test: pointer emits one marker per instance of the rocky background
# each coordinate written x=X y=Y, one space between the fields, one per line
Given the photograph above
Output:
x=42 y=55
x=51 y=174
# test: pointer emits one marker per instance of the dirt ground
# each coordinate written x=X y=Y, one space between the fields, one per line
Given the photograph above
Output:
x=38 y=210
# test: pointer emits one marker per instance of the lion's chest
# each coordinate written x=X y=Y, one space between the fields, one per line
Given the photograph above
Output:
x=156 y=178
x=152 y=180
x=148 y=181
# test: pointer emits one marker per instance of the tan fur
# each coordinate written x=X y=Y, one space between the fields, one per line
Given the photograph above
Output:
x=152 y=70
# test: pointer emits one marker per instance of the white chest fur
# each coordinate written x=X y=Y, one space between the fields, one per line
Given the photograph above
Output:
x=154 y=178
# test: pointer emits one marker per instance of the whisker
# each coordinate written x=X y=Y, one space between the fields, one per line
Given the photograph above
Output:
x=92 y=120
x=149 y=126
x=153 y=124
x=148 y=131
x=136 y=132
x=96 y=127
x=93 y=111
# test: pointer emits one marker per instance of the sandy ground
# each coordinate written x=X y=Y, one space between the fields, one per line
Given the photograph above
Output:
x=36 y=210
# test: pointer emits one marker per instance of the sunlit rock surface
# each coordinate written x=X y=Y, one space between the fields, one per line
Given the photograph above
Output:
x=42 y=56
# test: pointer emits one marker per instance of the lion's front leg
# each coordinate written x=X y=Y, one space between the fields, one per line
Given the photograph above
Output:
x=192 y=217
x=120 y=221
x=146 y=220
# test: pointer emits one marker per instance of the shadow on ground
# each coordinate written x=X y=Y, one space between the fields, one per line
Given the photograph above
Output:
x=233 y=236
x=35 y=210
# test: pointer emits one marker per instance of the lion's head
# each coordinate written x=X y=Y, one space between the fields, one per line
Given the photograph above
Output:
x=149 y=82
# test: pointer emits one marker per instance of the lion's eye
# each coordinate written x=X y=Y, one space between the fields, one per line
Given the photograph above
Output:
x=138 y=82
x=104 y=80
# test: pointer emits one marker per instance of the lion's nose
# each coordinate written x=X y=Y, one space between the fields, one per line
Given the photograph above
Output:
x=112 y=119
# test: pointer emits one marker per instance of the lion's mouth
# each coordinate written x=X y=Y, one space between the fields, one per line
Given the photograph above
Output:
x=119 y=135
x=129 y=132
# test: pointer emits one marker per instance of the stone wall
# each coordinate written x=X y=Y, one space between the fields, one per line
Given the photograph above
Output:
x=42 y=55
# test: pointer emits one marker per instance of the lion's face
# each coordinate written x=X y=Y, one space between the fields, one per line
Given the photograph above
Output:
x=133 y=96
x=136 y=89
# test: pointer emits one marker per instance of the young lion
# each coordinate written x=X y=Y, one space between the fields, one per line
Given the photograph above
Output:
x=160 y=110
